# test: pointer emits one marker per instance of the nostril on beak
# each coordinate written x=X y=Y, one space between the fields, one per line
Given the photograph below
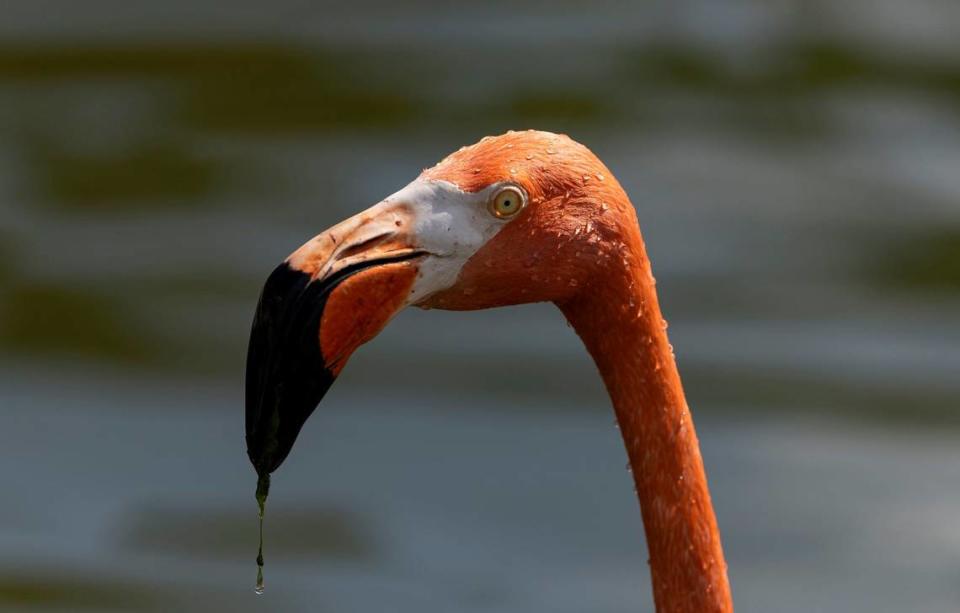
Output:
x=363 y=245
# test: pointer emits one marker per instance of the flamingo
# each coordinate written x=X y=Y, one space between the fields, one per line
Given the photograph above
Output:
x=522 y=217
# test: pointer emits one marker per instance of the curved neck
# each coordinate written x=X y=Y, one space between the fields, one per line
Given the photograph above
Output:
x=618 y=317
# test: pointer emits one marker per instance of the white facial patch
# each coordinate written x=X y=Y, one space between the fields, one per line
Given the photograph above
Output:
x=451 y=225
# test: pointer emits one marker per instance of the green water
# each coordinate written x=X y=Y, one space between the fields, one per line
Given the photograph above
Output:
x=263 y=490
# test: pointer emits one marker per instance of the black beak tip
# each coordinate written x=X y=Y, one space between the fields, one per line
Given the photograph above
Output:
x=286 y=375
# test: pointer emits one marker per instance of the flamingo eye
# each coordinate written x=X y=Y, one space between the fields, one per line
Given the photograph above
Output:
x=507 y=202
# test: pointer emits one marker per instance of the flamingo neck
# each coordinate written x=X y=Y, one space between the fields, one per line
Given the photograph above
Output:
x=618 y=318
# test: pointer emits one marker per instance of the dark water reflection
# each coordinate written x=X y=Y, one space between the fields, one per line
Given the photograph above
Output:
x=795 y=173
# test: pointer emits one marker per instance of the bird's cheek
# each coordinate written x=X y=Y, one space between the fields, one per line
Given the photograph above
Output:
x=360 y=307
x=478 y=286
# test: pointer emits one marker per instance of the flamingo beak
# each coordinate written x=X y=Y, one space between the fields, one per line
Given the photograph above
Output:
x=330 y=296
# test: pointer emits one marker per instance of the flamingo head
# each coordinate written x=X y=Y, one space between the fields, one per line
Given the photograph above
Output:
x=517 y=218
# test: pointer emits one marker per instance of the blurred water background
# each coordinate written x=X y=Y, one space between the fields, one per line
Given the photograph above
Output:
x=796 y=169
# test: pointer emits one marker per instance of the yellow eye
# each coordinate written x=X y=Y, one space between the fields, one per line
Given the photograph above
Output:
x=507 y=202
